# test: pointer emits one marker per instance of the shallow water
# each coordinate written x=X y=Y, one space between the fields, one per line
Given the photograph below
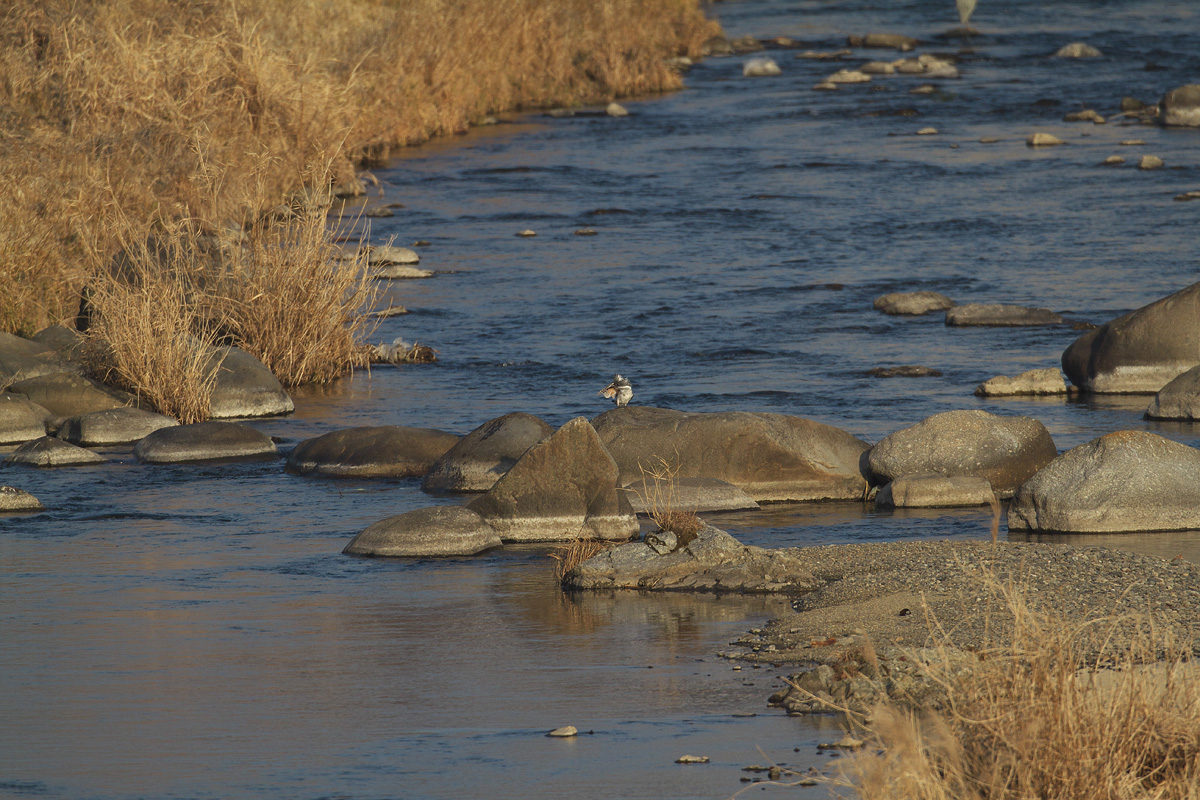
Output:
x=193 y=631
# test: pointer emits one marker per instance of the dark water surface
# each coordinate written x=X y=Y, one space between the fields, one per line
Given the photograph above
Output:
x=193 y=631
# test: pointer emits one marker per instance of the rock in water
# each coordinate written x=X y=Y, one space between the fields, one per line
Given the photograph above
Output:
x=1077 y=50
x=561 y=489
x=372 y=451
x=1179 y=399
x=1140 y=352
x=112 y=426
x=480 y=458
x=1030 y=382
x=1181 y=106
x=21 y=420
x=1123 y=481
x=426 y=532
x=13 y=499
x=1005 y=450
x=761 y=67
x=50 y=452
x=912 y=303
x=204 y=441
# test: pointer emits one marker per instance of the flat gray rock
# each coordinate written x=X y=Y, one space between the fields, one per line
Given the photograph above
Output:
x=1006 y=450
x=204 y=441
x=66 y=394
x=1179 y=399
x=21 y=420
x=1000 y=315
x=245 y=388
x=771 y=457
x=1139 y=352
x=1031 y=382
x=14 y=499
x=912 y=303
x=382 y=451
x=1123 y=481
x=935 y=491
x=713 y=562
x=50 y=452
x=477 y=461
x=687 y=494
x=435 y=531
x=112 y=426
x=561 y=489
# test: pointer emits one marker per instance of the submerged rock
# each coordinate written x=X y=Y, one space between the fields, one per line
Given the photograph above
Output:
x=1030 y=382
x=14 y=499
x=894 y=41
x=1123 y=481
x=1179 y=399
x=1139 y=352
x=203 y=441
x=382 y=451
x=771 y=457
x=426 y=532
x=480 y=458
x=561 y=489
x=713 y=561
x=50 y=452
x=912 y=303
x=112 y=426
x=1005 y=450
x=1000 y=315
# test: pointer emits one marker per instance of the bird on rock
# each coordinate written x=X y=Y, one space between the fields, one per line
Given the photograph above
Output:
x=619 y=390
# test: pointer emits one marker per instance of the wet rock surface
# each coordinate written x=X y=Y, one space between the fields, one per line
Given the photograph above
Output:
x=1006 y=450
x=1123 y=481
x=426 y=532
x=383 y=451
x=771 y=457
x=50 y=452
x=112 y=426
x=1000 y=315
x=712 y=561
x=204 y=441
x=1181 y=106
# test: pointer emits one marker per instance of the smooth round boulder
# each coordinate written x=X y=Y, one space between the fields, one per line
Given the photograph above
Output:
x=21 y=419
x=771 y=457
x=1181 y=106
x=912 y=303
x=427 y=532
x=1042 y=139
x=394 y=272
x=935 y=491
x=50 y=452
x=761 y=68
x=1179 y=399
x=1006 y=450
x=650 y=496
x=66 y=394
x=1139 y=352
x=561 y=489
x=1078 y=50
x=14 y=499
x=204 y=441
x=376 y=451
x=1000 y=315
x=390 y=254
x=112 y=426
x=1122 y=482
x=477 y=461
x=1031 y=382
x=245 y=387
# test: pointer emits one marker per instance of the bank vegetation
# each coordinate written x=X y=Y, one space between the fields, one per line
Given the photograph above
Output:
x=218 y=130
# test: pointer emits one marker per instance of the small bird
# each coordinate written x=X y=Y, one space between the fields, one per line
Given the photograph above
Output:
x=619 y=390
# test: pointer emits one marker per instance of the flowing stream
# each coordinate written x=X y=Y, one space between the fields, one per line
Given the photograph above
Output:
x=194 y=632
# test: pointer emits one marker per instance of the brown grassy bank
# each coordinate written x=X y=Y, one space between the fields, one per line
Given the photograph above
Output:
x=122 y=119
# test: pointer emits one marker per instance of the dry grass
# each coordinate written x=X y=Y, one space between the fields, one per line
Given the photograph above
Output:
x=572 y=554
x=1045 y=718
x=215 y=110
x=658 y=495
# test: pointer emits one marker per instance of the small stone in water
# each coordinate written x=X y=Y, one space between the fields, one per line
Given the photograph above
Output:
x=526 y=232
x=927 y=131
x=988 y=140
x=564 y=732
x=1112 y=161
x=586 y=232
x=616 y=110
x=692 y=760
x=1133 y=142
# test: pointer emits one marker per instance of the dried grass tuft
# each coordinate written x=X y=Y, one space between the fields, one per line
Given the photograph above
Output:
x=571 y=555
x=658 y=495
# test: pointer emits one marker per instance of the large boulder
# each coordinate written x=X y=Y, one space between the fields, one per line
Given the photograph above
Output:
x=381 y=451
x=1005 y=450
x=477 y=461
x=204 y=441
x=21 y=419
x=1181 y=106
x=1139 y=352
x=561 y=489
x=14 y=499
x=771 y=457
x=713 y=561
x=651 y=496
x=999 y=315
x=1123 y=481
x=50 y=452
x=435 y=531
x=1179 y=399
x=245 y=387
x=66 y=394
x=112 y=426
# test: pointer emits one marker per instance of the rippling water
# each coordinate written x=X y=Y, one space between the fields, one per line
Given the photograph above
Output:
x=193 y=631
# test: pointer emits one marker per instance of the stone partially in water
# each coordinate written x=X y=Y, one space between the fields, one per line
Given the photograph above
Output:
x=1077 y=50
x=1041 y=139
x=935 y=491
x=394 y=272
x=480 y=458
x=1030 y=382
x=906 y=371
x=894 y=41
x=1122 y=482
x=435 y=531
x=1000 y=315
x=50 y=452
x=1181 y=106
x=1179 y=399
x=244 y=387
x=375 y=451
x=112 y=426
x=1150 y=162
x=1005 y=450
x=912 y=303
x=21 y=419
x=203 y=441
x=686 y=494
x=761 y=68
x=389 y=254
x=14 y=499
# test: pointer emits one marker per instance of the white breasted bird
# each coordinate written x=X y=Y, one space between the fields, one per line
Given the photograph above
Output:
x=619 y=390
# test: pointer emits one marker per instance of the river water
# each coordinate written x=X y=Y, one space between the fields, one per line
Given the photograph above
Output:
x=194 y=632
